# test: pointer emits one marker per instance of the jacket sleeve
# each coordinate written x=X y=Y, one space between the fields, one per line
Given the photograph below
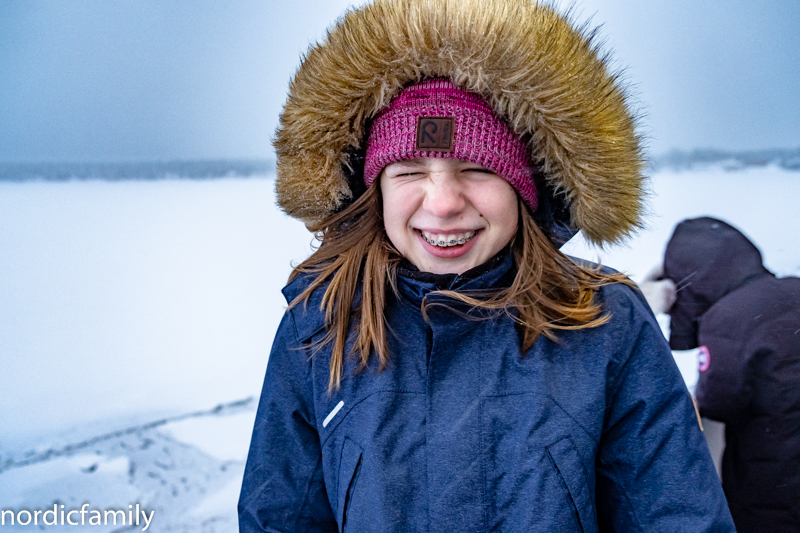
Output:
x=283 y=488
x=654 y=471
x=724 y=388
x=683 y=323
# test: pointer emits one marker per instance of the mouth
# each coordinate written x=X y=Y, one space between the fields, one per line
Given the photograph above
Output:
x=447 y=240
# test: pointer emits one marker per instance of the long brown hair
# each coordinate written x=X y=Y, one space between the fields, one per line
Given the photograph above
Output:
x=549 y=291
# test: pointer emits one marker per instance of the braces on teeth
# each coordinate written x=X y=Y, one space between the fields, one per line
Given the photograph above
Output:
x=451 y=242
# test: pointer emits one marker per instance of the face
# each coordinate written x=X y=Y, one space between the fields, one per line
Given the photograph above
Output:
x=447 y=216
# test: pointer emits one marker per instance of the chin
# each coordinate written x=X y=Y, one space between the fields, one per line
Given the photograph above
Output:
x=448 y=267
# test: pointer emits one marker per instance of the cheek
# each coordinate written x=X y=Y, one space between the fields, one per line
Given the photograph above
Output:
x=392 y=221
x=508 y=227
x=501 y=209
x=396 y=216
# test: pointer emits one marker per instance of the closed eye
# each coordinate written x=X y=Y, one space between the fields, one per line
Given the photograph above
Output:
x=480 y=170
x=399 y=170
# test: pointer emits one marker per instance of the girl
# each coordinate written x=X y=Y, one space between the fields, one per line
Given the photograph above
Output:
x=441 y=365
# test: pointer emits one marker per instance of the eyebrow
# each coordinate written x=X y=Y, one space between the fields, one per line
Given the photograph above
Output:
x=420 y=162
x=414 y=161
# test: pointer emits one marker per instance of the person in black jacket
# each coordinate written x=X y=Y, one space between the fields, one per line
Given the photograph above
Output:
x=746 y=323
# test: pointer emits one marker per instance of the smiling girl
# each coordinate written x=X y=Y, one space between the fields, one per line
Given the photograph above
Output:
x=447 y=215
x=442 y=366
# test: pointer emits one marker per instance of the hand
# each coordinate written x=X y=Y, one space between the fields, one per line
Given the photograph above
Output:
x=659 y=293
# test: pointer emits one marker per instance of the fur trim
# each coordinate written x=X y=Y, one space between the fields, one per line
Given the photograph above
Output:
x=539 y=72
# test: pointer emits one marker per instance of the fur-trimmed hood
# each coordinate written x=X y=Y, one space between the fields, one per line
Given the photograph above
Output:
x=538 y=71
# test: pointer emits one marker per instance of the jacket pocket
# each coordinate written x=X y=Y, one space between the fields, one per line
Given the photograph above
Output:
x=570 y=469
x=349 y=468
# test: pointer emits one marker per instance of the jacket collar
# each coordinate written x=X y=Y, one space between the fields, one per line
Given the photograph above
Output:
x=415 y=285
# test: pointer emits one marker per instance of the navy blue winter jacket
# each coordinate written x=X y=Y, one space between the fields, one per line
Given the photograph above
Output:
x=595 y=432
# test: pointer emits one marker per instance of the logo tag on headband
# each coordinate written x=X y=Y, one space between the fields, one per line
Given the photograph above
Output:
x=435 y=134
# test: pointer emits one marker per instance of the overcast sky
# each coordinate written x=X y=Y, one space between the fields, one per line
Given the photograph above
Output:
x=177 y=79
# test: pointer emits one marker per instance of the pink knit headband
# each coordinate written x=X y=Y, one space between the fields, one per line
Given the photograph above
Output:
x=436 y=118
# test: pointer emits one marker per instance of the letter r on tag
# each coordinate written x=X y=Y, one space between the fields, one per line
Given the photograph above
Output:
x=435 y=134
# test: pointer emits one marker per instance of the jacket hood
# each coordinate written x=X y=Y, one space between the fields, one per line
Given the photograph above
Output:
x=543 y=75
x=707 y=259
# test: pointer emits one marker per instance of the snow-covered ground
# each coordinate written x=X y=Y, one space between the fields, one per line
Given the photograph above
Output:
x=136 y=320
x=125 y=303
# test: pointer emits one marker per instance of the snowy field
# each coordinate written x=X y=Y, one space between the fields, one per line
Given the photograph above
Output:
x=136 y=319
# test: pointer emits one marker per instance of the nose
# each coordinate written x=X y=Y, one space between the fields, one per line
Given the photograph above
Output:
x=444 y=195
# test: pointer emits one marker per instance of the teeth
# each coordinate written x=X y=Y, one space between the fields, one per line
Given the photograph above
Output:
x=448 y=240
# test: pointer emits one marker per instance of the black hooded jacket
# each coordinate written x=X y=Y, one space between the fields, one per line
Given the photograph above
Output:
x=747 y=323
